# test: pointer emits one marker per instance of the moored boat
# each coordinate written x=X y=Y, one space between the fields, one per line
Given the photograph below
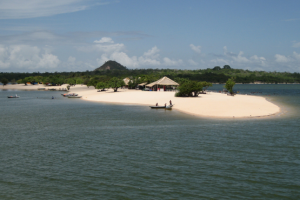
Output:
x=74 y=96
x=16 y=96
x=69 y=94
x=157 y=107
x=169 y=107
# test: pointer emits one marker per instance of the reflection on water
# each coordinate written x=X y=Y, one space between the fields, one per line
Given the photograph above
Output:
x=72 y=149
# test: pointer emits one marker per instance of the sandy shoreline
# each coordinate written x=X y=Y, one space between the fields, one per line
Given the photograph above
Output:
x=211 y=104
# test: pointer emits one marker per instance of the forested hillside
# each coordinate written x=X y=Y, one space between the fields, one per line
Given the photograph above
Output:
x=213 y=75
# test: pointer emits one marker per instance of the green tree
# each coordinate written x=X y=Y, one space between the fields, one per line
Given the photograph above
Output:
x=4 y=81
x=226 y=67
x=205 y=85
x=229 y=85
x=92 y=82
x=217 y=68
x=79 y=81
x=71 y=81
x=116 y=83
x=189 y=89
x=101 y=85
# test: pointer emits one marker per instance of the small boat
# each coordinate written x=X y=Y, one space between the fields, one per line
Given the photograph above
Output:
x=13 y=96
x=157 y=107
x=70 y=94
x=169 y=107
x=74 y=96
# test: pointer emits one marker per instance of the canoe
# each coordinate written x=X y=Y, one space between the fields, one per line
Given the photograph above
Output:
x=157 y=107
x=13 y=97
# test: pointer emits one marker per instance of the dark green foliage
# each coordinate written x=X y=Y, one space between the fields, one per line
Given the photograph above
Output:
x=116 y=83
x=111 y=65
x=150 y=75
x=229 y=85
x=189 y=89
x=206 y=85
x=217 y=68
x=4 y=81
x=101 y=85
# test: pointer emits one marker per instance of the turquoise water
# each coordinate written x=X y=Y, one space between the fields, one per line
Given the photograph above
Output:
x=72 y=149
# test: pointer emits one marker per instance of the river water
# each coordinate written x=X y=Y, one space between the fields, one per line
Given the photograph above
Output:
x=73 y=149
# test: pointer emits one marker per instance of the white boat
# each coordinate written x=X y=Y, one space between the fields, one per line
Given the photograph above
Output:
x=169 y=107
x=74 y=96
x=69 y=94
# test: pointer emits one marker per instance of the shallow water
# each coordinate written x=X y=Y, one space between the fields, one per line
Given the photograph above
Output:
x=72 y=149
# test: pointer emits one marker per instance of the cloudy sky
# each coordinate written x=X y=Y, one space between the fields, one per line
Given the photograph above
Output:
x=80 y=35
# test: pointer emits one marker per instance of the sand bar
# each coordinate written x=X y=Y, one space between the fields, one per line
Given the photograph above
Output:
x=210 y=104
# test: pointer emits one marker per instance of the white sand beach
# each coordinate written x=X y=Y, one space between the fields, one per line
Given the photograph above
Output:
x=209 y=105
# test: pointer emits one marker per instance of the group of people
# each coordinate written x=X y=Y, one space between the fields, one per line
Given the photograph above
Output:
x=165 y=103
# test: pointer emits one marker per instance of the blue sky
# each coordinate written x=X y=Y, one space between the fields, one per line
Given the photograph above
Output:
x=80 y=35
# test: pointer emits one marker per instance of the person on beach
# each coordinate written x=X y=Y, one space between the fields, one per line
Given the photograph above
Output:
x=156 y=104
x=170 y=102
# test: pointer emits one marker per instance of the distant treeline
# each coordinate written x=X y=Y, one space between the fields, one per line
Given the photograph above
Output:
x=213 y=75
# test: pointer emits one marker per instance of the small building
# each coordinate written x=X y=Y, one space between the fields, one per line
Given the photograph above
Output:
x=163 y=84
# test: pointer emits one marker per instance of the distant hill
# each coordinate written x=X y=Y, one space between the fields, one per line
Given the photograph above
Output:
x=111 y=65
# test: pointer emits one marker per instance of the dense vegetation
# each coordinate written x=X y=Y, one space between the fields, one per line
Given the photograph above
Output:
x=111 y=65
x=92 y=78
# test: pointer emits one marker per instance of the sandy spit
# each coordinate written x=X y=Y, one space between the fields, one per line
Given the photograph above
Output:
x=210 y=105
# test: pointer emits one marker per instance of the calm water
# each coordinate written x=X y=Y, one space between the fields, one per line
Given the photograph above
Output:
x=72 y=149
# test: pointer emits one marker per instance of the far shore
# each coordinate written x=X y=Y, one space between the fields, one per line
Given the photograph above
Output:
x=206 y=105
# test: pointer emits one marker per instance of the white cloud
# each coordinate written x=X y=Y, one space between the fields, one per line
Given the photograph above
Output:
x=71 y=59
x=240 y=58
x=104 y=40
x=192 y=62
x=296 y=56
x=16 y=9
x=116 y=51
x=197 y=49
x=27 y=57
x=149 y=58
x=108 y=48
x=227 y=53
x=281 y=58
x=170 y=62
x=152 y=53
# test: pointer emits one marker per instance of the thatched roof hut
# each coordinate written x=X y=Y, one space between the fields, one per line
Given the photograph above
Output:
x=163 y=81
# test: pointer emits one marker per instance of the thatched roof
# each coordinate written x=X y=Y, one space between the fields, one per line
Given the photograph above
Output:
x=163 y=81
x=142 y=84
